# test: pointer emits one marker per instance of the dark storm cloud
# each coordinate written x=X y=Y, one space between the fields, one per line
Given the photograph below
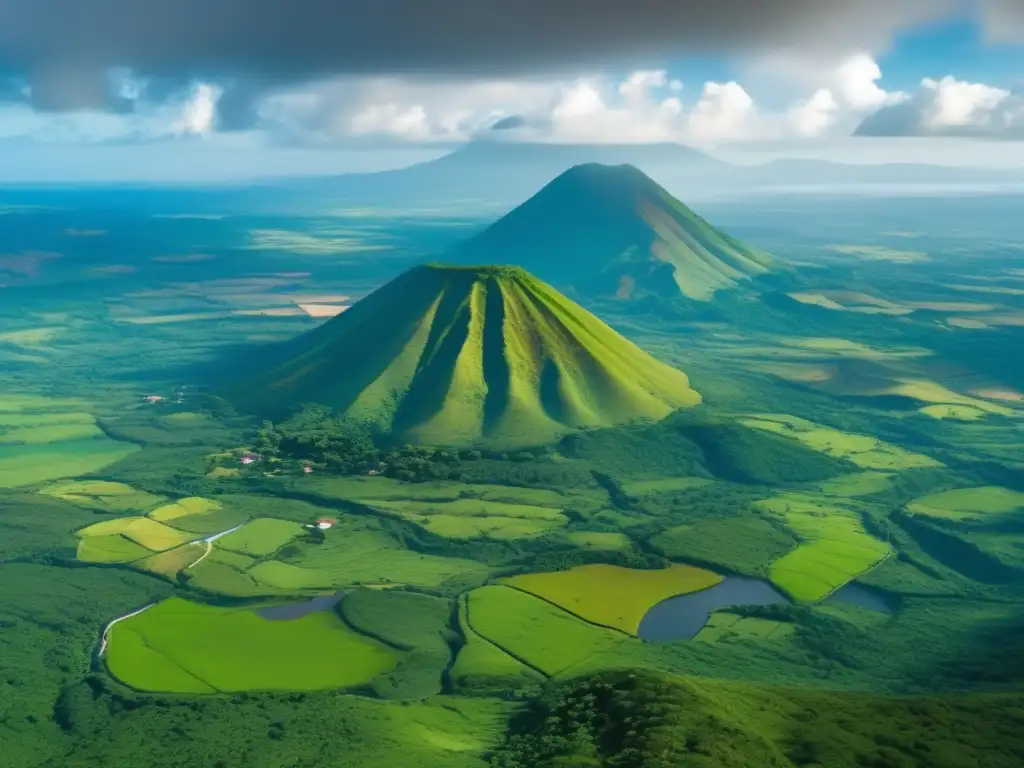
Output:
x=283 y=40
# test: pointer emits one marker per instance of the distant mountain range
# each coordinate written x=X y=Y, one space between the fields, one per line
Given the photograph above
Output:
x=611 y=231
x=487 y=355
x=491 y=173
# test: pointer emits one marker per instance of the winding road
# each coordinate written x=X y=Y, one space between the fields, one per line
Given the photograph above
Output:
x=105 y=637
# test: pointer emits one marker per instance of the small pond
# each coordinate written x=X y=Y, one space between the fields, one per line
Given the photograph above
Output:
x=683 y=616
x=298 y=610
x=863 y=597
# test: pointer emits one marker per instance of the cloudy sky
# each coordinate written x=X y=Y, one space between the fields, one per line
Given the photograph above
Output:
x=209 y=89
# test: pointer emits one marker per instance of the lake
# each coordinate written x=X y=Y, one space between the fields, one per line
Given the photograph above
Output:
x=298 y=610
x=862 y=597
x=683 y=616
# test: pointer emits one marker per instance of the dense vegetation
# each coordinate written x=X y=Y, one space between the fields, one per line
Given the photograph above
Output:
x=627 y=719
x=800 y=454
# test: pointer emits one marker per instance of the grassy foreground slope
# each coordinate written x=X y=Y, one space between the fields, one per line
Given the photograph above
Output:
x=648 y=720
x=611 y=230
x=476 y=355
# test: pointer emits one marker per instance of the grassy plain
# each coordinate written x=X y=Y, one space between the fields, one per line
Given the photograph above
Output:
x=260 y=537
x=143 y=531
x=969 y=504
x=193 y=505
x=533 y=631
x=103 y=495
x=469 y=518
x=729 y=627
x=835 y=546
x=112 y=548
x=482 y=667
x=183 y=647
x=22 y=465
x=172 y=562
x=599 y=540
x=863 y=450
x=612 y=596
x=858 y=484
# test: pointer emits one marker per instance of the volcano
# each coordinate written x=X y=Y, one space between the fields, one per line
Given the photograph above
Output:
x=459 y=356
x=612 y=231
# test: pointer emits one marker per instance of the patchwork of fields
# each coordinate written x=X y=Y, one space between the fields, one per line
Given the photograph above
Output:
x=44 y=439
x=835 y=548
x=863 y=450
x=611 y=596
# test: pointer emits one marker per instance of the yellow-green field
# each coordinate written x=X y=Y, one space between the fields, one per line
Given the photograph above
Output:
x=599 y=540
x=836 y=548
x=193 y=505
x=261 y=537
x=863 y=450
x=171 y=562
x=150 y=534
x=111 y=548
x=22 y=465
x=666 y=485
x=31 y=337
x=480 y=662
x=954 y=412
x=467 y=518
x=45 y=438
x=858 y=484
x=541 y=635
x=880 y=253
x=610 y=595
x=969 y=504
x=931 y=392
x=52 y=433
x=103 y=494
x=179 y=646
x=729 y=627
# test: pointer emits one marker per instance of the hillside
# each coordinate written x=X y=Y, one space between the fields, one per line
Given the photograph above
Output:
x=612 y=231
x=469 y=355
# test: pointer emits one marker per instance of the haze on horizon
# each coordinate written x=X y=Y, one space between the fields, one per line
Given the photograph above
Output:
x=151 y=90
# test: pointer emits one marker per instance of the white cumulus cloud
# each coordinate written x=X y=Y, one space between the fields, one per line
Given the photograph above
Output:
x=199 y=111
x=957 y=103
x=951 y=107
x=814 y=117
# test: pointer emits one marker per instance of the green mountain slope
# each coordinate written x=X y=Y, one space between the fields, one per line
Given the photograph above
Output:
x=611 y=230
x=469 y=355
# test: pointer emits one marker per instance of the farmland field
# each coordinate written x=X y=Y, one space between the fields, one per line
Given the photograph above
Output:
x=261 y=537
x=729 y=626
x=143 y=531
x=533 y=631
x=111 y=548
x=481 y=665
x=965 y=504
x=863 y=450
x=22 y=465
x=611 y=596
x=183 y=647
x=103 y=495
x=835 y=547
x=183 y=508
